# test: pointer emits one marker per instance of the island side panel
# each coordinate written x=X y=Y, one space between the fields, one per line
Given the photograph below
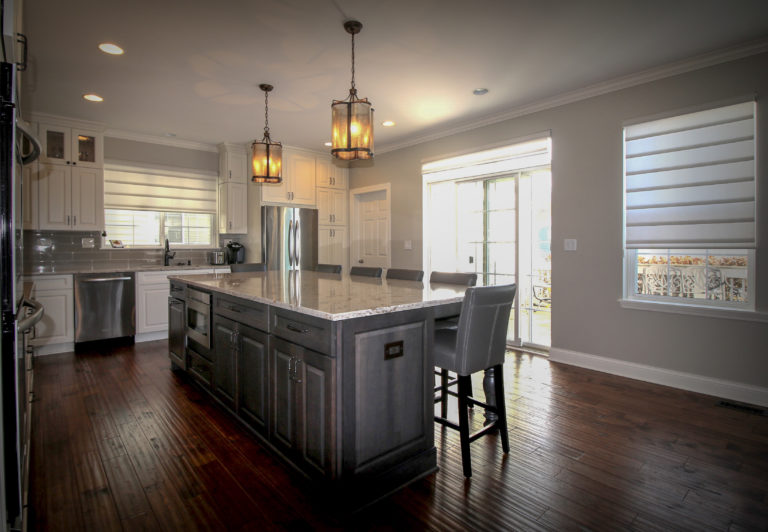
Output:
x=387 y=388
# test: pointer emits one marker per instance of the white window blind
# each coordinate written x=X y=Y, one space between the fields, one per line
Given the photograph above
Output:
x=488 y=163
x=149 y=189
x=690 y=180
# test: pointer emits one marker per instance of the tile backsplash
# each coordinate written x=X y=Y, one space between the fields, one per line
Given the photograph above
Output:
x=50 y=251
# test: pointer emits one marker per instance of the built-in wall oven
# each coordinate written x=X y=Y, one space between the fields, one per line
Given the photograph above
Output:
x=199 y=317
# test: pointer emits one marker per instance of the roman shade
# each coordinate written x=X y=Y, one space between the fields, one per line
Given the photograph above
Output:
x=164 y=190
x=528 y=154
x=690 y=180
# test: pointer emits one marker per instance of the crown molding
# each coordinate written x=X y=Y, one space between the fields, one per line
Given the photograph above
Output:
x=644 y=76
x=64 y=121
x=164 y=141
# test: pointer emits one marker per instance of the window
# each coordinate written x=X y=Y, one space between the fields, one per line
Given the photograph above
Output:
x=151 y=228
x=689 y=208
x=144 y=206
x=489 y=213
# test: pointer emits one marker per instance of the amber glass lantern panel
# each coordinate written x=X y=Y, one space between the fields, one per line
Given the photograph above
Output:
x=352 y=130
x=266 y=162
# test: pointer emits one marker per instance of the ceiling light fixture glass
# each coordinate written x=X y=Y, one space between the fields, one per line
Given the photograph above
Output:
x=93 y=97
x=352 y=119
x=388 y=123
x=266 y=155
x=111 y=48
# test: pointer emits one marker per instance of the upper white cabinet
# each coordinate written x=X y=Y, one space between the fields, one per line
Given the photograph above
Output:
x=328 y=175
x=29 y=196
x=70 y=198
x=298 y=186
x=331 y=206
x=233 y=208
x=233 y=164
x=71 y=146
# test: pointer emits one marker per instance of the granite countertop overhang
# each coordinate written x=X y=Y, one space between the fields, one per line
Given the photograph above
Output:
x=327 y=296
x=67 y=270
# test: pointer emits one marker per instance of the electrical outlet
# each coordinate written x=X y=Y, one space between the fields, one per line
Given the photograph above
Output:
x=570 y=244
x=88 y=242
x=408 y=244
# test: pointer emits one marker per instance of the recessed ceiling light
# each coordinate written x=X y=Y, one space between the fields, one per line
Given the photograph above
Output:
x=111 y=48
x=329 y=144
x=93 y=97
x=387 y=123
x=170 y=134
x=480 y=91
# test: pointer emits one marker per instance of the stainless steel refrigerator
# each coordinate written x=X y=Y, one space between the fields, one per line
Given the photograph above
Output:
x=289 y=238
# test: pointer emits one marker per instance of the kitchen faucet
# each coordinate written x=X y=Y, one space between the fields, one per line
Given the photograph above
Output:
x=168 y=254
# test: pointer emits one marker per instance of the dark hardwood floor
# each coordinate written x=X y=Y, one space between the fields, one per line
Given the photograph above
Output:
x=121 y=442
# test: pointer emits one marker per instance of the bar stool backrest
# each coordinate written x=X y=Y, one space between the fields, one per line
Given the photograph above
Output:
x=328 y=268
x=465 y=279
x=406 y=275
x=366 y=271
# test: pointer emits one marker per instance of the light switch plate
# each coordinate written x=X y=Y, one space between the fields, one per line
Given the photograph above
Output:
x=408 y=244
x=570 y=244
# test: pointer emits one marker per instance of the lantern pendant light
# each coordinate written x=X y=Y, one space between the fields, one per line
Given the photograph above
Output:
x=352 y=118
x=266 y=155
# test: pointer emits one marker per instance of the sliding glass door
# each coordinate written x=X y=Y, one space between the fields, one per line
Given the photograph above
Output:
x=498 y=227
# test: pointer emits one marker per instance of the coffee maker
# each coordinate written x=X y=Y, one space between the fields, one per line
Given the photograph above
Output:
x=235 y=252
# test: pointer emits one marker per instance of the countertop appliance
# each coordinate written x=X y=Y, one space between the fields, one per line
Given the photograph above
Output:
x=289 y=238
x=15 y=314
x=105 y=306
x=216 y=257
x=235 y=253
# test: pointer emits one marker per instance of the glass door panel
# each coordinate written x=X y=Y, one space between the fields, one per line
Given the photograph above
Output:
x=86 y=149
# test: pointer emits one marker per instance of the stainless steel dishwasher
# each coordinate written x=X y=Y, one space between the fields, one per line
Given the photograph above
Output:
x=105 y=306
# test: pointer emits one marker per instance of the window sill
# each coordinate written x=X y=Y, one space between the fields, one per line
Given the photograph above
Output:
x=695 y=310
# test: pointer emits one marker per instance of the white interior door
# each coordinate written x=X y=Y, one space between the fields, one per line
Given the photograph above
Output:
x=370 y=226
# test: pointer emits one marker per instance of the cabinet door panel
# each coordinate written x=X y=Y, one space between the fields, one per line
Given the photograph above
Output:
x=87 y=199
x=29 y=196
x=339 y=207
x=55 y=196
x=224 y=332
x=316 y=373
x=87 y=146
x=55 y=144
x=302 y=179
x=275 y=193
x=324 y=206
x=253 y=378
x=57 y=325
x=283 y=420
x=151 y=312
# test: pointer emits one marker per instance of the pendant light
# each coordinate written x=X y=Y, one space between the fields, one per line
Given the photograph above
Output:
x=352 y=119
x=267 y=156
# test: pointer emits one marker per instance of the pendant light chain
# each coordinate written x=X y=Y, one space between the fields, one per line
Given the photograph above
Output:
x=353 y=90
x=266 y=114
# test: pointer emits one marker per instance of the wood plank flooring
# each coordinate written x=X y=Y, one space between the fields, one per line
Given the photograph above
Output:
x=122 y=443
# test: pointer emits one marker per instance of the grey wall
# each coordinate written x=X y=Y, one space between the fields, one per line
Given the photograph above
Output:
x=148 y=153
x=587 y=205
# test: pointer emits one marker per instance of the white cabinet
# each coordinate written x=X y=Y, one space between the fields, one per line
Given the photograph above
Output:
x=233 y=164
x=71 y=146
x=328 y=175
x=58 y=323
x=332 y=246
x=331 y=206
x=298 y=186
x=233 y=208
x=70 y=198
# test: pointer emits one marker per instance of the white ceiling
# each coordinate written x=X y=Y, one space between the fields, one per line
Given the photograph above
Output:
x=192 y=68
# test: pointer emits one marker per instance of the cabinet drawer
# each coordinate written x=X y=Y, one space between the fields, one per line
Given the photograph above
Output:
x=200 y=368
x=50 y=282
x=307 y=331
x=178 y=290
x=253 y=314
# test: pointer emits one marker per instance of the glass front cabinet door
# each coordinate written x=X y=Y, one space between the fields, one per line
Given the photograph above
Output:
x=71 y=146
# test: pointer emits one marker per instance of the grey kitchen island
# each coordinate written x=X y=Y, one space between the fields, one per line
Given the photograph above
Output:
x=334 y=373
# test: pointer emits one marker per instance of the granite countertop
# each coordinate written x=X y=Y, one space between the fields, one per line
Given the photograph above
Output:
x=114 y=269
x=328 y=296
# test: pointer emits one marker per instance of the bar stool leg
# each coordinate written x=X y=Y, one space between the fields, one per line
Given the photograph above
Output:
x=501 y=423
x=464 y=384
x=444 y=393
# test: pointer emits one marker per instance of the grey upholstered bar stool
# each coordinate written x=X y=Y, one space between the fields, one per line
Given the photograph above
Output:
x=328 y=268
x=248 y=267
x=478 y=344
x=365 y=271
x=466 y=279
x=405 y=275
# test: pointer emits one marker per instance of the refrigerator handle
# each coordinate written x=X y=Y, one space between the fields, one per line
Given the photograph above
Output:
x=296 y=241
x=290 y=239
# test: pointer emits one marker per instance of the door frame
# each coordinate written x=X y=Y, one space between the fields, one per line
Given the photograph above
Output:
x=354 y=219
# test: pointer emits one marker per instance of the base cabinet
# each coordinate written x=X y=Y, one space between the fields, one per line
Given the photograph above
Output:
x=177 y=344
x=302 y=415
x=252 y=378
x=226 y=339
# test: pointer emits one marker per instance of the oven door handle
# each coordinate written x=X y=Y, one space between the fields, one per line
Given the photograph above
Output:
x=38 y=310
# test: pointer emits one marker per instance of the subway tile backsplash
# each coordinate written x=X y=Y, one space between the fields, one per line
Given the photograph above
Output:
x=50 y=251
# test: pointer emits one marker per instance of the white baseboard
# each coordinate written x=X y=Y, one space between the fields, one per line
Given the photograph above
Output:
x=736 y=391
x=52 y=349
x=148 y=337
